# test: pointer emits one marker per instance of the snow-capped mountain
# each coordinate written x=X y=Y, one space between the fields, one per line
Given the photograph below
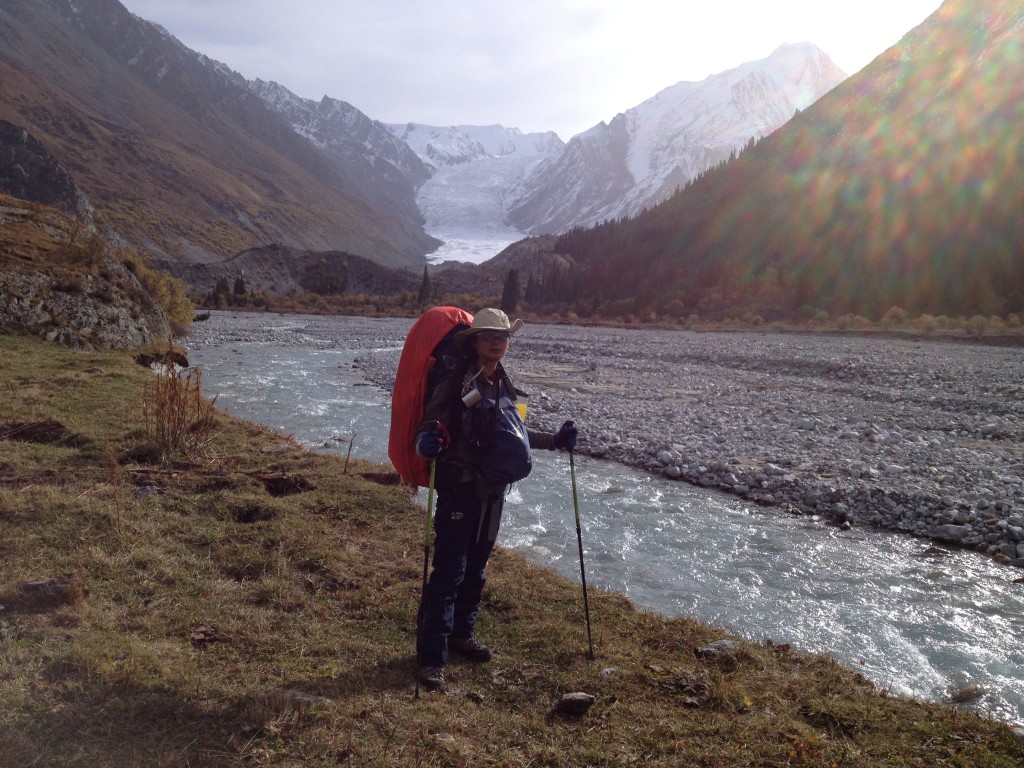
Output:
x=472 y=169
x=384 y=167
x=479 y=188
x=321 y=175
x=179 y=157
x=645 y=153
x=455 y=145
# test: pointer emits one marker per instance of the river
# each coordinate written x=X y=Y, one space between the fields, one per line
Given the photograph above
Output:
x=916 y=624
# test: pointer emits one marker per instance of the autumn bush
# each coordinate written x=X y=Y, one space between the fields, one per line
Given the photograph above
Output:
x=177 y=418
x=167 y=291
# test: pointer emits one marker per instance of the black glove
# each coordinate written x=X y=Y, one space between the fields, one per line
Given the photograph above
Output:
x=432 y=441
x=566 y=436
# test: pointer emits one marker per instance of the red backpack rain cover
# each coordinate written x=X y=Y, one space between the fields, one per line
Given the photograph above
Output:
x=410 y=388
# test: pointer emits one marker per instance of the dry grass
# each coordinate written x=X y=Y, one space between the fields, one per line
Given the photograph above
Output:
x=252 y=607
x=177 y=418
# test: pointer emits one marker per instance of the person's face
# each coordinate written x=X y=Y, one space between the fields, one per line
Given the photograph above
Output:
x=491 y=346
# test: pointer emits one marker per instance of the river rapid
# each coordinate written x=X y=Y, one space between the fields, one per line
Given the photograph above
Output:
x=918 y=620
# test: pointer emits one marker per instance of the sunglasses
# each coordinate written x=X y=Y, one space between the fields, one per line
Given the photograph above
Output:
x=490 y=336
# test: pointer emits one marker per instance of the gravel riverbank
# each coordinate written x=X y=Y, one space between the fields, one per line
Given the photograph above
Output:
x=919 y=436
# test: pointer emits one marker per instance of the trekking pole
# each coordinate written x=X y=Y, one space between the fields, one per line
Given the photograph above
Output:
x=426 y=562
x=579 y=538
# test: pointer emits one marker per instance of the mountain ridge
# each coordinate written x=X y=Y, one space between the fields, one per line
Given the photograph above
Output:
x=643 y=154
x=901 y=188
x=176 y=155
x=899 y=184
x=187 y=160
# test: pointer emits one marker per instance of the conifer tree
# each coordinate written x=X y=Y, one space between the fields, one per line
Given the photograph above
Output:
x=532 y=290
x=424 y=293
x=510 y=293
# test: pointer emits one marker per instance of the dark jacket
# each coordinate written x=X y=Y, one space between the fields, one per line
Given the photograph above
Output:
x=446 y=406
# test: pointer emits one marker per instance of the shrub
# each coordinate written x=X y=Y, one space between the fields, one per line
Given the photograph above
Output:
x=69 y=284
x=104 y=292
x=806 y=312
x=852 y=322
x=977 y=325
x=996 y=324
x=167 y=291
x=85 y=248
x=176 y=416
x=895 y=317
x=820 y=319
x=926 y=323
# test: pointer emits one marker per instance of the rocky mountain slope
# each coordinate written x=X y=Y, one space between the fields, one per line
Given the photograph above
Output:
x=58 y=279
x=29 y=172
x=902 y=187
x=534 y=256
x=385 y=169
x=177 y=154
x=278 y=270
x=645 y=153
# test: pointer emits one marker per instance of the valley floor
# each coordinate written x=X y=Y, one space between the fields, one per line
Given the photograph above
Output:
x=236 y=600
x=915 y=435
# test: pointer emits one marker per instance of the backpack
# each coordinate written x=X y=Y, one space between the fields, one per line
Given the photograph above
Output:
x=421 y=366
x=499 y=439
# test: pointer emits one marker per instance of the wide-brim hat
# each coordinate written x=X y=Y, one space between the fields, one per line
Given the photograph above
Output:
x=489 y=320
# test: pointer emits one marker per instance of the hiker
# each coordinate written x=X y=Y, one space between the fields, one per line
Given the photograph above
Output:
x=470 y=486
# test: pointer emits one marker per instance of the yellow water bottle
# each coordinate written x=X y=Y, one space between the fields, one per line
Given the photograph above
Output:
x=521 y=401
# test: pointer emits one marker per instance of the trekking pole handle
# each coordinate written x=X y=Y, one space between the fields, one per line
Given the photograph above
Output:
x=430 y=502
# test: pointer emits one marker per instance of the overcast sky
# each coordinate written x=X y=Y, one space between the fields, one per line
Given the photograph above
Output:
x=537 y=65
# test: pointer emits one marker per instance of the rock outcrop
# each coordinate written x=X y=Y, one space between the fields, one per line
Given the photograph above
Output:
x=59 y=276
x=59 y=279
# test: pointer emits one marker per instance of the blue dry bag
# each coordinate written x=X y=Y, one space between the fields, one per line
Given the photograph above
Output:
x=502 y=444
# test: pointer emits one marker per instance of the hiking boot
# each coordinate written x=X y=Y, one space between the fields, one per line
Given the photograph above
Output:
x=432 y=678
x=469 y=648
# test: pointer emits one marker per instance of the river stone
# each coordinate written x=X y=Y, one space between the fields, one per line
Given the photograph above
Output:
x=952 y=532
x=573 y=704
x=717 y=648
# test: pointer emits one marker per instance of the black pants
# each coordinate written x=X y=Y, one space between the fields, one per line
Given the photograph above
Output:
x=462 y=545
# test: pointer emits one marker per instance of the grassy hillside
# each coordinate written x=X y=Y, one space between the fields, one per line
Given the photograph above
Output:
x=175 y=154
x=201 y=591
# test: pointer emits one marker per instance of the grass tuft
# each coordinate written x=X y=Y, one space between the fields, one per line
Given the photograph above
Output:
x=178 y=419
